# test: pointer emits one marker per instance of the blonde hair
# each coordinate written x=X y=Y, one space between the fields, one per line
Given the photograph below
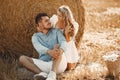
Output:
x=66 y=12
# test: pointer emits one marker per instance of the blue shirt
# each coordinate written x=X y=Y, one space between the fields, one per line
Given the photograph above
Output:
x=42 y=42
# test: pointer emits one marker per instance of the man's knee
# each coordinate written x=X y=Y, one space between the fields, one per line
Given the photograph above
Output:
x=22 y=58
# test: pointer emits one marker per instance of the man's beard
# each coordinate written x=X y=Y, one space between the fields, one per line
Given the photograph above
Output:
x=46 y=28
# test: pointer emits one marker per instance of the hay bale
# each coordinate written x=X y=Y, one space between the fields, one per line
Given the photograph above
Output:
x=17 y=22
x=17 y=27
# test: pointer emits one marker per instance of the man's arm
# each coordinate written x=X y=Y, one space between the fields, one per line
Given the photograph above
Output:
x=38 y=46
x=61 y=40
x=42 y=49
x=56 y=52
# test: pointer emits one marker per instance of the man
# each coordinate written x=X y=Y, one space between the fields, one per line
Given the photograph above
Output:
x=50 y=45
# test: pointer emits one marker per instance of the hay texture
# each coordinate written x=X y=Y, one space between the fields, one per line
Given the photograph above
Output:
x=17 y=22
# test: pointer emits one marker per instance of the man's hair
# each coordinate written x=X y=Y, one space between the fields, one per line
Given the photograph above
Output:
x=39 y=17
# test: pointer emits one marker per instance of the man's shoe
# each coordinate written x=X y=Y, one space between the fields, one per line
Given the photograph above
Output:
x=51 y=76
x=40 y=76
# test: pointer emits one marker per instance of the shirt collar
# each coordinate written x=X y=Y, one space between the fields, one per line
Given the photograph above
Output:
x=40 y=33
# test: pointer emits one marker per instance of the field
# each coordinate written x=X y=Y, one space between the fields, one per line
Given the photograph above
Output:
x=99 y=36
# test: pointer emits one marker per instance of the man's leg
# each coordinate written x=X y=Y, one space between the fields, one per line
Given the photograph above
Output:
x=29 y=64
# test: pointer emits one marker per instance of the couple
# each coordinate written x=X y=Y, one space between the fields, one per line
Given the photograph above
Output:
x=54 y=43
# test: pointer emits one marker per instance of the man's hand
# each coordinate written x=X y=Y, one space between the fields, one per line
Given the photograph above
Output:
x=56 y=52
x=53 y=54
x=57 y=49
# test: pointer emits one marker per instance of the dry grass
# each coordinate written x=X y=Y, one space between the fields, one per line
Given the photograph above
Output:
x=8 y=67
x=17 y=26
x=17 y=21
x=101 y=36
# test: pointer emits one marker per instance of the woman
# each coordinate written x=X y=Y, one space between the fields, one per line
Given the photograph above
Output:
x=64 y=20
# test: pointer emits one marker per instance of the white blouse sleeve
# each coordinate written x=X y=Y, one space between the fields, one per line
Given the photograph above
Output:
x=54 y=20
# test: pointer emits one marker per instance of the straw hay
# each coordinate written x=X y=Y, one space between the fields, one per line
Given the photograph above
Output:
x=17 y=21
x=114 y=66
x=101 y=33
x=17 y=26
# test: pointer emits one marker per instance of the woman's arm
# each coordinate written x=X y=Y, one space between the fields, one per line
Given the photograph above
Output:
x=67 y=37
x=68 y=33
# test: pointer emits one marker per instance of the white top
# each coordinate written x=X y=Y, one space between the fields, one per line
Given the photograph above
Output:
x=54 y=20
x=71 y=52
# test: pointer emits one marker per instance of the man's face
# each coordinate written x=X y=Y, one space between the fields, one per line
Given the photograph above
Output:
x=45 y=23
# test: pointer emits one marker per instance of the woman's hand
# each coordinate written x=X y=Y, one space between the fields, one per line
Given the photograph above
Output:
x=69 y=32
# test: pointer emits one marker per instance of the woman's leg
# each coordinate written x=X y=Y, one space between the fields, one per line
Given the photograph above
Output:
x=53 y=72
x=71 y=66
x=61 y=64
x=56 y=64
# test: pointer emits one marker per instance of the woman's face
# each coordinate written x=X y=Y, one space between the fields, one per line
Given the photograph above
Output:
x=60 y=16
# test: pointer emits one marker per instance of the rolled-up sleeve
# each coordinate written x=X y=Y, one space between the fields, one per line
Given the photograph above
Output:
x=61 y=40
x=38 y=46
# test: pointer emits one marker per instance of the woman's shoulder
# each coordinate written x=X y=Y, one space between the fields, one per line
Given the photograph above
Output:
x=54 y=16
x=54 y=20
